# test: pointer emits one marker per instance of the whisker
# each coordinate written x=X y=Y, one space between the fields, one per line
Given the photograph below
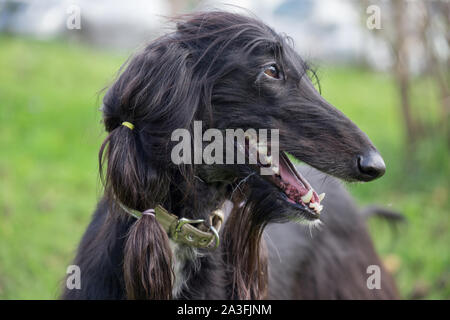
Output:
x=239 y=184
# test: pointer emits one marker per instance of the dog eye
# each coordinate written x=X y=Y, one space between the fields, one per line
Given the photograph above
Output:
x=273 y=72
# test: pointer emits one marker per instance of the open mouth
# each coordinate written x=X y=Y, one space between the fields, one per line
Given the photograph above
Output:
x=294 y=187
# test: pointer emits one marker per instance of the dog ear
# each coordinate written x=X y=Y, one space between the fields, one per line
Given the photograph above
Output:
x=157 y=93
x=129 y=176
x=147 y=267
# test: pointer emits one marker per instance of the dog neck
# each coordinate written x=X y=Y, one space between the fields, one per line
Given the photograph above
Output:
x=196 y=265
x=182 y=256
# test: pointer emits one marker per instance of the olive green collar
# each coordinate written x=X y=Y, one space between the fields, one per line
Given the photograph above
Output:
x=183 y=231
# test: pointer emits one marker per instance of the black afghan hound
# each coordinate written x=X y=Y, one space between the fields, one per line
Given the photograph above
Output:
x=229 y=71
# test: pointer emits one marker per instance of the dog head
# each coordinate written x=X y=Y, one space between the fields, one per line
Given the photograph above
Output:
x=228 y=71
x=231 y=71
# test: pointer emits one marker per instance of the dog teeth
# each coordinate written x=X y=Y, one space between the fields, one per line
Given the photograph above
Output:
x=307 y=197
x=316 y=207
x=321 y=196
x=262 y=149
x=276 y=170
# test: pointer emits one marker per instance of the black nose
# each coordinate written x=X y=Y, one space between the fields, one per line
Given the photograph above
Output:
x=371 y=165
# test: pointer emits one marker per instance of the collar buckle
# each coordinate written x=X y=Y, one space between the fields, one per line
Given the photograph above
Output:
x=181 y=222
x=182 y=230
x=216 y=236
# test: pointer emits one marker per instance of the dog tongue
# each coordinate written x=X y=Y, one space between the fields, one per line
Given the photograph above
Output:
x=294 y=184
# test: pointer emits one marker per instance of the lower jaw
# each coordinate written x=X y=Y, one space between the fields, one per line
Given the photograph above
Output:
x=305 y=213
x=276 y=180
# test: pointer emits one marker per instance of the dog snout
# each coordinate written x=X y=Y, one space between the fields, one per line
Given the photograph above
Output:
x=370 y=165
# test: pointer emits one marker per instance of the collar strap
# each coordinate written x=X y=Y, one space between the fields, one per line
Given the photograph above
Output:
x=183 y=231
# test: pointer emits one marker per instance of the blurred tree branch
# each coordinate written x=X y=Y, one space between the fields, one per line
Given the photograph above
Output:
x=399 y=44
x=439 y=68
x=408 y=26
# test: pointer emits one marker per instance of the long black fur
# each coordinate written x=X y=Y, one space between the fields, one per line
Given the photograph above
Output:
x=211 y=68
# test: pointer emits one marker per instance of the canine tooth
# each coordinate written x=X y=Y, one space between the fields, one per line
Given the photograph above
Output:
x=317 y=207
x=321 y=196
x=276 y=170
x=262 y=149
x=307 y=197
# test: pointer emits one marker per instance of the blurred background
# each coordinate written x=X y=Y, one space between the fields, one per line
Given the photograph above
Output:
x=386 y=64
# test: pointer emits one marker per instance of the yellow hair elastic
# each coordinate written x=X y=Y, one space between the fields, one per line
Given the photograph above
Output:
x=128 y=125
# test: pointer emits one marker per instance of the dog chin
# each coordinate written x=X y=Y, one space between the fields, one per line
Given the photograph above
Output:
x=299 y=212
x=298 y=215
x=286 y=210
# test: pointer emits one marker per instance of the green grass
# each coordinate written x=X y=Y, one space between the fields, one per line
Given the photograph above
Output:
x=50 y=135
x=418 y=250
x=49 y=138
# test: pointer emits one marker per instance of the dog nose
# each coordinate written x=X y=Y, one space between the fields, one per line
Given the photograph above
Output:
x=371 y=165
